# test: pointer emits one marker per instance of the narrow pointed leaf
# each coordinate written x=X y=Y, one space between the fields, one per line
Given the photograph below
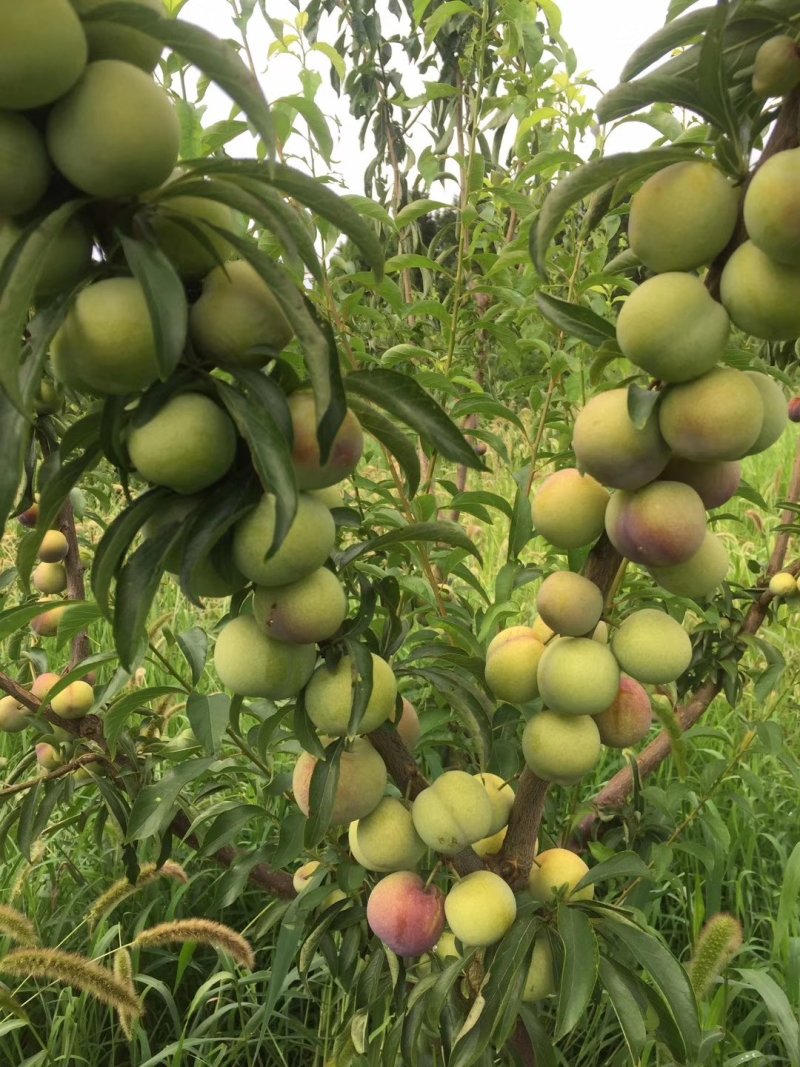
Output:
x=166 y=300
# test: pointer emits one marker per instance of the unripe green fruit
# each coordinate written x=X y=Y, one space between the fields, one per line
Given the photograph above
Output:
x=540 y=981
x=237 y=322
x=187 y=445
x=772 y=207
x=718 y=416
x=658 y=525
x=577 y=676
x=110 y=40
x=761 y=295
x=308 y=610
x=452 y=813
x=362 y=780
x=305 y=548
x=345 y=451
x=107 y=340
x=776 y=68
x=512 y=662
x=116 y=133
x=700 y=575
x=683 y=216
x=714 y=482
x=332 y=496
x=561 y=748
x=611 y=448
x=42 y=52
x=569 y=603
x=776 y=411
x=54 y=547
x=568 y=509
x=24 y=164
x=74 y=701
x=558 y=870
x=385 y=840
x=628 y=719
x=49 y=398
x=330 y=694
x=190 y=258
x=480 y=908
x=252 y=664
x=14 y=717
x=49 y=578
x=501 y=797
x=652 y=647
x=672 y=327
x=783 y=585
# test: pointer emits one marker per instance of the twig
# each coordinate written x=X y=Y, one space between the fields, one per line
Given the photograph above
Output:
x=76 y=590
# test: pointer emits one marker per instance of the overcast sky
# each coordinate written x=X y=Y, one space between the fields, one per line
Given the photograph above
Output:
x=602 y=33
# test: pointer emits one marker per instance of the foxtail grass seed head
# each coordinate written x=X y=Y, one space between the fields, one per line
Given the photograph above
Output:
x=205 y=932
x=718 y=941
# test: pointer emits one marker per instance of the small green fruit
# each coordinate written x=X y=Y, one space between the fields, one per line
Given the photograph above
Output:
x=330 y=694
x=252 y=664
x=42 y=52
x=304 y=549
x=24 y=165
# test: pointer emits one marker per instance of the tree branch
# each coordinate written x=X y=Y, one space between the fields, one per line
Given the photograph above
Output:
x=76 y=590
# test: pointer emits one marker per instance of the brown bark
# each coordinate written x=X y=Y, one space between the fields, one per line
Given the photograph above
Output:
x=76 y=589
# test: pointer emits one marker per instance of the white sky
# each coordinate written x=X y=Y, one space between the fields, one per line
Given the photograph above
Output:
x=602 y=33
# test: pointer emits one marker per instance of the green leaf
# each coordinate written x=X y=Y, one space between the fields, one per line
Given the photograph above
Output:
x=781 y=1012
x=787 y=906
x=622 y=989
x=448 y=533
x=316 y=121
x=399 y=444
x=416 y=209
x=579 y=973
x=208 y=717
x=116 y=542
x=665 y=40
x=401 y=396
x=442 y=15
x=153 y=808
x=407 y=260
x=575 y=320
x=322 y=793
x=641 y=404
x=623 y=865
x=117 y=714
x=166 y=300
x=193 y=644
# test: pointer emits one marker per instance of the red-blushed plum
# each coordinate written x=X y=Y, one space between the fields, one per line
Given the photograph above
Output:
x=408 y=725
x=714 y=482
x=46 y=624
x=627 y=720
x=345 y=452
x=362 y=781
x=73 y=701
x=658 y=525
x=406 y=916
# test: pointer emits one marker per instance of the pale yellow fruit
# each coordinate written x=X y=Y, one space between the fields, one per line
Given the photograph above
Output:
x=501 y=797
x=776 y=68
x=332 y=496
x=490 y=846
x=652 y=647
x=540 y=980
x=446 y=946
x=43 y=684
x=480 y=908
x=569 y=603
x=452 y=813
x=362 y=781
x=330 y=694
x=772 y=207
x=557 y=871
x=542 y=630
x=110 y=40
x=54 y=547
x=310 y=609
x=303 y=875
x=700 y=575
x=48 y=756
x=783 y=584
x=776 y=411
x=42 y=52
x=718 y=416
x=408 y=725
x=46 y=624
x=561 y=748
x=512 y=660
x=385 y=840
x=568 y=508
x=14 y=717
x=49 y=578
x=577 y=676
x=761 y=295
x=73 y=701
x=24 y=165
x=610 y=448
x=305 y=548
x=251 y=664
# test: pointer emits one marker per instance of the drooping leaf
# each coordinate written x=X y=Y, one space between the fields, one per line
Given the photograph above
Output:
x=322 y=793
x=208 y=717
x=153 y=808
x=623 y=865
x=622 y=988
x=579 y=973
x=448 y=533
x=166 y=300
x=399 y=444
x=575 y=320
x=116 y=542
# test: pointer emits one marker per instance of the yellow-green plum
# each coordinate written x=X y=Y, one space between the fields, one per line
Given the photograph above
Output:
x=772 y=207
x=332 y=496
x=42 y=52
x=14 y=717
x=480 y=908
x=69 y=258
x=776 y=68
x=251 y=664
x=116 y=133
x=561 y=748
x=682 y=216
x=111 y=40
x=672 y=327
x=304 y=549
x=73 y=701
x=345 y=451
x=408 y=725
x=542 y=631
x=569 y=603
x=452 y=813
x=627 y=720
x=490 y=846
x=600 y=633
x=776 y=411
x=46 y=624
x=43 y=683
x=49 y=578
x=53 y=548
x=446 y=946
x=761 y=295
x=700 y=575
x=556 y=872
x=715 y=482
x=783 y=585
x=385 y=840
x=301 y=878
x=568 y=508
x=610 y=448
x=191 y=258
x=48 y=756
x=107 y=339
x=310 y=609
x=331 y=692
x=405 y=914
x=361 y=784
x=577 y=676
x=24 y=165
x=718 y=416
x=187 y=445
x=658 y=525
x=540 y=980
x=501 y=797
x=512 y=661
x=237 y=322
x=652 y=647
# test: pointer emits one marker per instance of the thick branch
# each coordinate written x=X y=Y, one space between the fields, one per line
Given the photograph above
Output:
x=514 y=860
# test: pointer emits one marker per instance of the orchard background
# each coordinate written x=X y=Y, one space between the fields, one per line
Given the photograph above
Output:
x=164 y=898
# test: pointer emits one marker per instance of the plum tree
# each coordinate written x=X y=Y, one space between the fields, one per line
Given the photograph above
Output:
x=304 y=549
x=385 y=839
x=360 y=786
x=557 y=871
x=115 y=133
x=73 y=701
x=659 y=525
x=715 y=417
x=568 y=508
x=715 y=482
x=672 y=327
x=331 y=692
x=310 y=609
x=24 y=165
x=682 y=216
x=405 y=914
x=49 y=578
x=501 y=797
x=480 y=908
x=700 y=575
x=540 y=980
x=187 y=445
x=251 y=663
x=772 y=205
x=627 y=720
x=561 y=748
x=452 y=813
x=761 y=295
x=776 y=68
x=512 y=661
x=611 y=448
x=652 y=647
x=569 y=603
x=43 y=52
x=577 y=676
x=109 y=40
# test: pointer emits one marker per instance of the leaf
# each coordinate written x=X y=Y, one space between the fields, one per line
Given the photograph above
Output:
x=116 y=715
x=583 y=181
x=193 y=644
x=401 y=396
x=623 y=865
x=442 y=15
x=322 y=793
x=641 y=404
x=314 y=118
x=448 y=533
x=665 y=40
x=621 y=987
x=787 y=907
x=575 y=320
x=117 y=540
x=208 y=717
x=415 y=210
x=579 y=973
x=780 y=1010
x=166 y=300
x=399 y=444
x=153 y=808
